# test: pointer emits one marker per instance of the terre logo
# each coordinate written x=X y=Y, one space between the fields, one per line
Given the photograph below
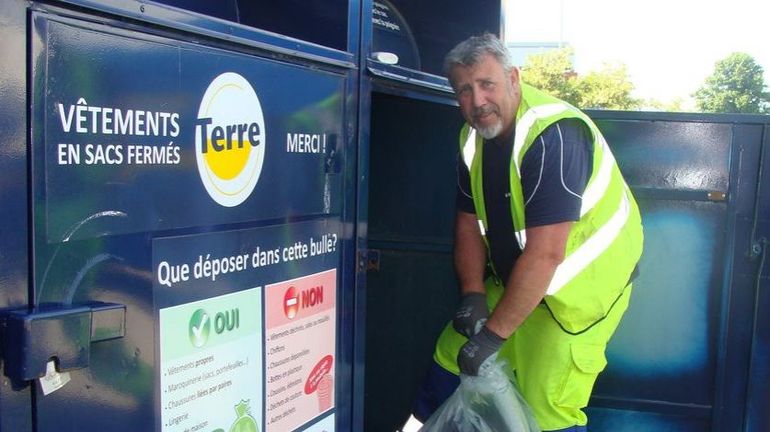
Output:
x=199 y=328
x=230 y=139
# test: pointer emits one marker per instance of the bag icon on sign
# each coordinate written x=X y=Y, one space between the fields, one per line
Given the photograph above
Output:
x=245 y=422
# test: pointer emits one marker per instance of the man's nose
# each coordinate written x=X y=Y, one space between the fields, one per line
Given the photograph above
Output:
x=478 y=99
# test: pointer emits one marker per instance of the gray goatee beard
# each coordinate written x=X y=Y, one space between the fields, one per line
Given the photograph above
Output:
x=492 y=131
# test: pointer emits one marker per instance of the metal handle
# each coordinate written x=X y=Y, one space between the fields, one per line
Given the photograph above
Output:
x=31 y=338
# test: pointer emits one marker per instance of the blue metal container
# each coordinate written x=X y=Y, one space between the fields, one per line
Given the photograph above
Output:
x=238 y=216
x=180 y=193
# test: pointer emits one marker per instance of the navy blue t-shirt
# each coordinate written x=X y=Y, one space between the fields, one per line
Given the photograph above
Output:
x=554 y=174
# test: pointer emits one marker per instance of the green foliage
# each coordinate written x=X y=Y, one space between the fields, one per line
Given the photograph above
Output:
x=552 y=71
x=736 y=86
x=675 y=105
x=608 y=88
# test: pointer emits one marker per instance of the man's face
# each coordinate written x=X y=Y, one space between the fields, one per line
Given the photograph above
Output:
x=488 y=96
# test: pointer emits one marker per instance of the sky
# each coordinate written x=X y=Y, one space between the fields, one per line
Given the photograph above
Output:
x=669 y=46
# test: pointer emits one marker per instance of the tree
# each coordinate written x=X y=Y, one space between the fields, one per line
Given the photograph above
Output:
x=736 y=86
x=553 y=72
x=608 y=88
x=675 y=105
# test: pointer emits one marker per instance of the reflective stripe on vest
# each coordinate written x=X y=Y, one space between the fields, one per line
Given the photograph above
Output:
x=583 y=256
x=525 y=123
x=595 y=191
x=469 y=148
x=469 y=152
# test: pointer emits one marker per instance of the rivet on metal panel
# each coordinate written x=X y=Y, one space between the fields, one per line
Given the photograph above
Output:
x=717 y=196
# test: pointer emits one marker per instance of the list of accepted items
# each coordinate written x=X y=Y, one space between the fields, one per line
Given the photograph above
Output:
x=300 y=344
x=211 y=364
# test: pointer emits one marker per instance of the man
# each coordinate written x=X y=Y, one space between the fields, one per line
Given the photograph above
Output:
x=547 y=238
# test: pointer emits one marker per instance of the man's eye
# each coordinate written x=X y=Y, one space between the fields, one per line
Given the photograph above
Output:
x=487 y=84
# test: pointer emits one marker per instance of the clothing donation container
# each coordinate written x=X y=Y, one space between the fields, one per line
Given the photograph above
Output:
x=180 y=198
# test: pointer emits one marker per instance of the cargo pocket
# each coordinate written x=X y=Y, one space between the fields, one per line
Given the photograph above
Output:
x=587 y=362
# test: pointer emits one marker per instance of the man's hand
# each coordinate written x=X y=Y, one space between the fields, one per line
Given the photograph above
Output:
x=471 y=315
x=479 y=352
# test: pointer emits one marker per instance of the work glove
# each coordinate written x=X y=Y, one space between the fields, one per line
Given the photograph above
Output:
x=471 y=315
x=479 y=352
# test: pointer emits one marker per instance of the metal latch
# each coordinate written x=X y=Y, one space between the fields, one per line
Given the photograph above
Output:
x=368 y=260
x=31 y=338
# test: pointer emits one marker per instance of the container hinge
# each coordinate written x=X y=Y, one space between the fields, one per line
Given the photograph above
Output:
x=31 y=338
x=368 y=259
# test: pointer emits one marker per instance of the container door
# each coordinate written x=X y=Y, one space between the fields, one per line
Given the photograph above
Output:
x=187 y=235
x=679 y=358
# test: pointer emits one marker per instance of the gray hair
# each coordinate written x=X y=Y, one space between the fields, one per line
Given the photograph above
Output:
x=470 y=51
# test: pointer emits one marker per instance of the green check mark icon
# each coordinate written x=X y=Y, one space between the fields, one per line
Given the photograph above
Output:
x=199 y=328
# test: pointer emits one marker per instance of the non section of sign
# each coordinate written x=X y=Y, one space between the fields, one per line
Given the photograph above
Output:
x=300 y=346
x=142 y=133
x=211 y=364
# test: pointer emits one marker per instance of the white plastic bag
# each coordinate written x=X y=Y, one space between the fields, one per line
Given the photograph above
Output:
x=485 y=403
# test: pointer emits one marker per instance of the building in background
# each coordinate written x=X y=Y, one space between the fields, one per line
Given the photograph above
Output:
x=521 y=50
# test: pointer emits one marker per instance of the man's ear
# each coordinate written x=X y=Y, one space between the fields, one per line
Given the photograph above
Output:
x=514 y=76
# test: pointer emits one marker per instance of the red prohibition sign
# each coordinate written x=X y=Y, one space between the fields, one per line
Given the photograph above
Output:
x=291 y=302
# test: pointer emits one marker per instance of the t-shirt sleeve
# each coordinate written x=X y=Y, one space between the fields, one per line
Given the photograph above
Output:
x=555 y=172
x=464 y=196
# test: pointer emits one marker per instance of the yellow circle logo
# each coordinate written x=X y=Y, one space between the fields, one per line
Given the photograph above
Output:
x=230 y=139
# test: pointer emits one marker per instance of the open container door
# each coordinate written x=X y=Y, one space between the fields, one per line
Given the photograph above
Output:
x=409 y=145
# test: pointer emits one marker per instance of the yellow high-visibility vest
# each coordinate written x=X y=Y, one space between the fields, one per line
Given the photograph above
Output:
x=603 y=246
